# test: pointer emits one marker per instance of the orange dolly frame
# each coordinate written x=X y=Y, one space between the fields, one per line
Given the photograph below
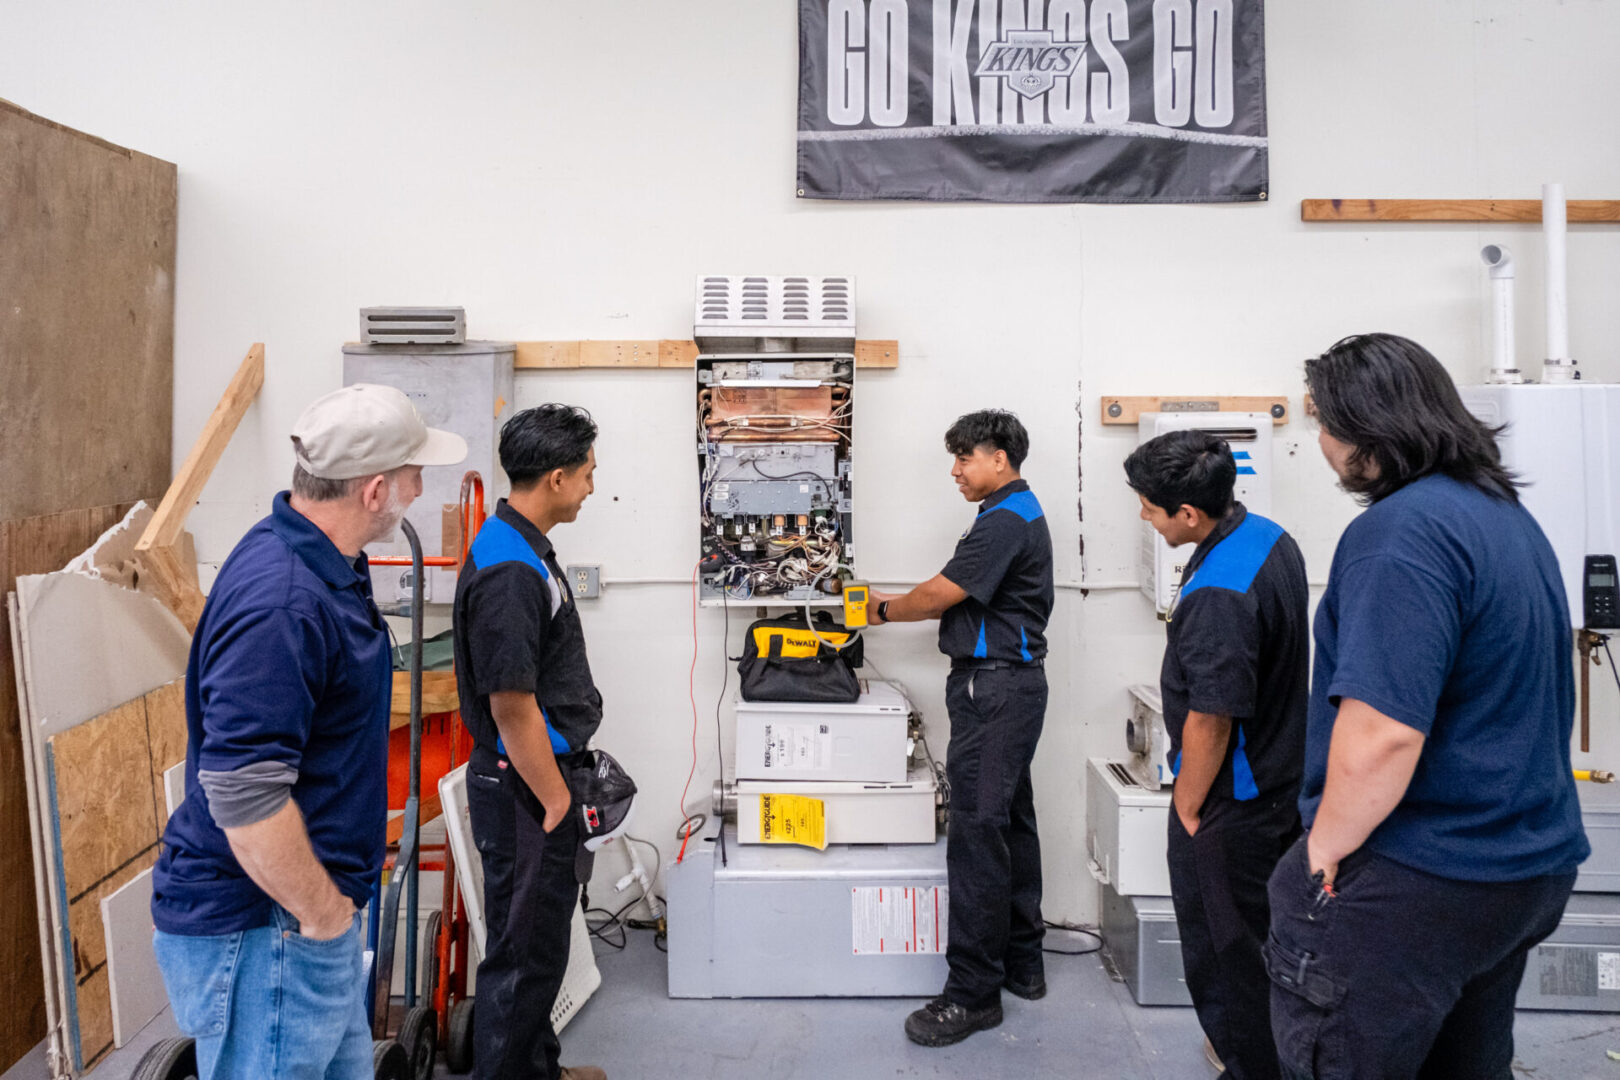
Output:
x=445 y=743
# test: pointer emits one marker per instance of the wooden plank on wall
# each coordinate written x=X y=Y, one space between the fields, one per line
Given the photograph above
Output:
x=664 y=353
x=33 y=546
x=1579 y=211
x=87 y=326
x=1127 y=410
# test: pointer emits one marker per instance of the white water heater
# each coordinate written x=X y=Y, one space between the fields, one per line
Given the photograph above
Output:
x=1563 y=441
x=1159 y=565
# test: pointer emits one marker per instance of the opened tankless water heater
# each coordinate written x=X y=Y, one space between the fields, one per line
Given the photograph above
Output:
x=1159 y=565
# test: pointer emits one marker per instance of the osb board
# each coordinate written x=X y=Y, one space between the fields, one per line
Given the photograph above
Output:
x=87 y=325
x=166 y=730
x=94 y=995
x=105 y=809
x=32 y=546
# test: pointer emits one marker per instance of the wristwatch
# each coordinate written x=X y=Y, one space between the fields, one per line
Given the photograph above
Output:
x=883 y=611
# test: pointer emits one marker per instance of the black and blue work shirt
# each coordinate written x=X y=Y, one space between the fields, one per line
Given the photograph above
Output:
x=1004 y=563
x=1239 y=645
x=517 y=628
x=287 y=692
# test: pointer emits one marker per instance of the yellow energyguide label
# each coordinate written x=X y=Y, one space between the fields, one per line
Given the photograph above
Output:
x=793 y=819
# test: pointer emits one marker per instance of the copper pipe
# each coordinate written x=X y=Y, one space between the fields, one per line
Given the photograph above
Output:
x=1585 y=642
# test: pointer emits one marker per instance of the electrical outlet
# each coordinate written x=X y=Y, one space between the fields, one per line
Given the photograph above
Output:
x=585 y=582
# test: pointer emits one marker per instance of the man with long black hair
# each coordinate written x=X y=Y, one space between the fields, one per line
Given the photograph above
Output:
x=992 y=601
x=1233 y=683
x=1444 y=829
x=529 y=701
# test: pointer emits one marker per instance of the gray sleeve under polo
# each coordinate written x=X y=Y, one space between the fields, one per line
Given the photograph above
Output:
x=249 y=793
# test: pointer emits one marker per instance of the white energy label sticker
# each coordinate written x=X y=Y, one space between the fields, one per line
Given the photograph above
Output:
x=895 y=921
x=797 y=746
x=1608 y=970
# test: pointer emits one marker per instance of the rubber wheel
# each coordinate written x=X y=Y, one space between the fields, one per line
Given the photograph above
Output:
x=458 y=1047
x=430 y=962
x=419 y=1035
x=171 y=1059
x=389 y=1061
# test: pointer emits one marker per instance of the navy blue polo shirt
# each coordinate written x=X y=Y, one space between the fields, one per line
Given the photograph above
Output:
x=517 y=628
x=1445 y=611
x=289 y=664
x=1004 y=563
x=1238 y=644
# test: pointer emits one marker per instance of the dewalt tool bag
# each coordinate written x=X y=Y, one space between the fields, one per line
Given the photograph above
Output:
x=784 y=661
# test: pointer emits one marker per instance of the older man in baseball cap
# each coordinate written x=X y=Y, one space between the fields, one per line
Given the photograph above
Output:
x=265 y=864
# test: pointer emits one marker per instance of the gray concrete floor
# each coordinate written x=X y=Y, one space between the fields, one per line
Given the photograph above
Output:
x=1086 y=1026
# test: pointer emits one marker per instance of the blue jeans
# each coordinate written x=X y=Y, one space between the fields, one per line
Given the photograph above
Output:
x=270 y=1003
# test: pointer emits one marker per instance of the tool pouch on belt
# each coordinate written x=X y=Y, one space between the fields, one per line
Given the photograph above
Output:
x=783 y=661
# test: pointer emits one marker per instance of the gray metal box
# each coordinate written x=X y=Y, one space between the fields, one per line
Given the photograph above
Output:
x=467 y=389
x=779 y=921
x=1578 y=967
x=1600 y=814
x=1140 y=935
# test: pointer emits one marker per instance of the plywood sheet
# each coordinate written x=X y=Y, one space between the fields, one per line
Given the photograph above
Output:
x=104 y=796
x=136 y=984
x=88 y=276
x=93 y=645
x=95 y=1017
x=166 y=732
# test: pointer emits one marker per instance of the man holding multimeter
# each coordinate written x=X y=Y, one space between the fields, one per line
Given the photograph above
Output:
x=992 y=601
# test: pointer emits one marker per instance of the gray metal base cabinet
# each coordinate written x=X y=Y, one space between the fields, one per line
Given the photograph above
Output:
x=780 y=921
x=1578 y=967
x=1140 y=936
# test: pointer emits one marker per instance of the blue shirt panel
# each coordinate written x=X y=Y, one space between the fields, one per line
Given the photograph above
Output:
x=290 y=663
x=1445 y=611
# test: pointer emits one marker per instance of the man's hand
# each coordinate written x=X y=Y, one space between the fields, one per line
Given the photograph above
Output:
x=1189 y=819
x=332 y=922
x=522 y=727
x=1329 y=869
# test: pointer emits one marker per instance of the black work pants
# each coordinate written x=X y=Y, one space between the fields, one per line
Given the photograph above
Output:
x=530 y=891
x=1218 y=884
x=1399 y=973
x=992 y=852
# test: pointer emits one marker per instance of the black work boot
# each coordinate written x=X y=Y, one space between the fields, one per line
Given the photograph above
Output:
x=1029 y=987
x=942 y=1022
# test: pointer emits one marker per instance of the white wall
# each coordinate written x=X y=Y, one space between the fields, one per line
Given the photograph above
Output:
x=564 y=170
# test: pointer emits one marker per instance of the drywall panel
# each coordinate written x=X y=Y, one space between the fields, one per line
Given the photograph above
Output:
x=93 y=646
x=135 y=983
x=87 y=326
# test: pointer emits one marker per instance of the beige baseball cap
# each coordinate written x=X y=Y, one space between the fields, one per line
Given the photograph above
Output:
x=366 y=429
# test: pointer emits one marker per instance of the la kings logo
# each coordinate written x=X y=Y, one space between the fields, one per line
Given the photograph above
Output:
x=1030 y=60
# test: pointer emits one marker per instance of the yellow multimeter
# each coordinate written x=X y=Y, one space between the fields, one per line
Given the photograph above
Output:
x=856 y=594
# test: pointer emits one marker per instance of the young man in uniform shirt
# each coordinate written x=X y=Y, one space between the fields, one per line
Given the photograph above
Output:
x=281 y=835
x=993 y=600
x=529 y=701
x=1233 y=684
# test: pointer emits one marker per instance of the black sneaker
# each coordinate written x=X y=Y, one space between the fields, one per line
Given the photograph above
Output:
x=942 y=1022
x=1032 y=988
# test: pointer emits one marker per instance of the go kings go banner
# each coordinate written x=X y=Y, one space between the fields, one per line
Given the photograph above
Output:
x=1033 y=100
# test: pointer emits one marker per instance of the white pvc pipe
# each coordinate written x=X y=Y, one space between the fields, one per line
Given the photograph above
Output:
x=1500 y=261
x=1559 y=366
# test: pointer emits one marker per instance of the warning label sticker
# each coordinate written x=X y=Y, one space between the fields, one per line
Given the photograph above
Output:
x=797 y=746
x=889 y=921
x=1609 y=970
